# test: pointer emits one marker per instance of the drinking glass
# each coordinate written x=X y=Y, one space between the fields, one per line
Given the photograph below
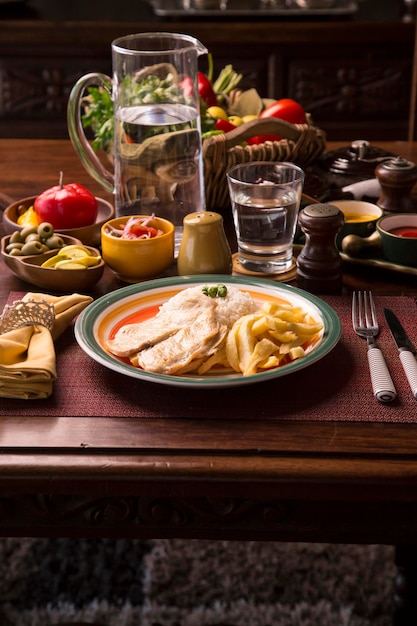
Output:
x=265 y=199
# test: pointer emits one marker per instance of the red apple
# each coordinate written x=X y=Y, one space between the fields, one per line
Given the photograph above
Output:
x=66 y=206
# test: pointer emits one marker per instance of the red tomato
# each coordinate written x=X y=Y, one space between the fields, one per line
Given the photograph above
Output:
x=285 y=109
x=138 y=231
x=252 y=141
x=66 y=206
x=206 y=91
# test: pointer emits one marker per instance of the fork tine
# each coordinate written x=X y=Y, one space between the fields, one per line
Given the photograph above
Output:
x=354 y=308
x=366 y=310
x=357 y=309
x=362 y=308
x=374 y=320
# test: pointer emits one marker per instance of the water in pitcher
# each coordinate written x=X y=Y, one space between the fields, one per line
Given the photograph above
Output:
x=159 y=169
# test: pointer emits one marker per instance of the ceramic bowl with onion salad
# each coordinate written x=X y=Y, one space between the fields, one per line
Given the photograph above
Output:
x=138 y=247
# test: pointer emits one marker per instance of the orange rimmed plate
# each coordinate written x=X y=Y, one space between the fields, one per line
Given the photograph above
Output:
x=99 y=321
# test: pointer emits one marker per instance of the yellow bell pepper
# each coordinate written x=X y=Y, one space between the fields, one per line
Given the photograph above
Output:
x=28 y=218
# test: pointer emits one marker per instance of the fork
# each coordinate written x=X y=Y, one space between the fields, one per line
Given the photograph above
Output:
x=365 y=324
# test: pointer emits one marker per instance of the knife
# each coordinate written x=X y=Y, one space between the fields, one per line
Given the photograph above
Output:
x=405 y=347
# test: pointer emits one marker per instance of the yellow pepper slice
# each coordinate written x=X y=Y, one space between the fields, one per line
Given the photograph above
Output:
x=28 y=218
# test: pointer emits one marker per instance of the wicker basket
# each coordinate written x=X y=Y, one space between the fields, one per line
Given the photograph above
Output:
x=302 y=145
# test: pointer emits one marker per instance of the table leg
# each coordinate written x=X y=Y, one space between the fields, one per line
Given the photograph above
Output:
x=405 y=586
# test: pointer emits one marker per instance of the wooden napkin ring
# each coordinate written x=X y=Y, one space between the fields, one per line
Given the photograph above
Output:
x=27 y=313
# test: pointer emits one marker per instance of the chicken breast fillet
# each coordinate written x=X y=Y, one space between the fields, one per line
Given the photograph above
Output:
x=181 y=312
x=188 y=344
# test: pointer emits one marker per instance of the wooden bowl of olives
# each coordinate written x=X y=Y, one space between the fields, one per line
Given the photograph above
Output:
x=89 y=235
x=26 y=251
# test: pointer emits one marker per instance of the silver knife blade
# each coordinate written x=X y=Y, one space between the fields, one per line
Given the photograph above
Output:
x=405 y=347
x=397 y=331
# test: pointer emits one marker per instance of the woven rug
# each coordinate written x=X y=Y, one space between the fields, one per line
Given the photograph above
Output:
x=193 y=583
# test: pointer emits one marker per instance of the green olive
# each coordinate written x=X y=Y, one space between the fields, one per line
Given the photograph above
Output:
x=21 y=209
x=32 y=237
x=28 y=230
x=16 y=237
x=54 y=242
x=32 y=247
x=16 y=252
x=45 y=230
x=14 y=246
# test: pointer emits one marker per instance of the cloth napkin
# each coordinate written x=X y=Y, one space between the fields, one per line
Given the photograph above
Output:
x=27 y=354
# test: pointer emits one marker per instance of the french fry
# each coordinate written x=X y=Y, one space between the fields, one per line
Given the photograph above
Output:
x=279 y=332
x=246 y=342
x=262 y=350
x=218 y=358
x=285 y=337
x=232 y=353
x=269 y=363
x=296 y=353
x=306 y=330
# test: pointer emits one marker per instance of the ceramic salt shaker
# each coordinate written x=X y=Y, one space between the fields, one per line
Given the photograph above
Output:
x=319 y=265
x=204 y=247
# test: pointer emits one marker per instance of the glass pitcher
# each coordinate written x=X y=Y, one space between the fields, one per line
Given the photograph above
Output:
x=154 y=136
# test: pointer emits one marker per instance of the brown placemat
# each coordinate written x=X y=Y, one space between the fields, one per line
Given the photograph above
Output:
x=335 y=388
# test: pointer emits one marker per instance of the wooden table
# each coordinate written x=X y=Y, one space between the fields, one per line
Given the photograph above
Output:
x=249 y=478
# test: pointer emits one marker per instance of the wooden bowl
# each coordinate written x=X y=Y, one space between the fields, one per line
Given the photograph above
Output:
x=88 y=235
x=29 y=268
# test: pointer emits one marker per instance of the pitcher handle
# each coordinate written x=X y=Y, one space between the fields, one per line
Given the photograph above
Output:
x=76 y=132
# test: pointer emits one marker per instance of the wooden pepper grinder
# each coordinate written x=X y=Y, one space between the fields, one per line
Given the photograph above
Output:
x=319 y=266
x=397 y=177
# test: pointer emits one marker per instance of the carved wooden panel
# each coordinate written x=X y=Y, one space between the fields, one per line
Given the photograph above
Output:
x=142 y=516
x=351 y=96
x=37 y=91
x=349 y=90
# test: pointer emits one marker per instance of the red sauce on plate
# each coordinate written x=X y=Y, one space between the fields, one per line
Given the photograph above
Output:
x=135 y=317
x=405 y=231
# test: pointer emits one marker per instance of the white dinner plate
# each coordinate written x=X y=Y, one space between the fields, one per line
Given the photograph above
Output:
x=99 y=320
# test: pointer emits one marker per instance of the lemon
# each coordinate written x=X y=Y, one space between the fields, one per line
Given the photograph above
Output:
x=88 y=261
x=249 y=118
x=217 y=113
x=74 y=251
x=235 y=120
x=72 y=257
x=68 y=264
x=52 y=261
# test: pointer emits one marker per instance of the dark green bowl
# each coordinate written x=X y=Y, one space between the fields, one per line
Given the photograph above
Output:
x=397 y=248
